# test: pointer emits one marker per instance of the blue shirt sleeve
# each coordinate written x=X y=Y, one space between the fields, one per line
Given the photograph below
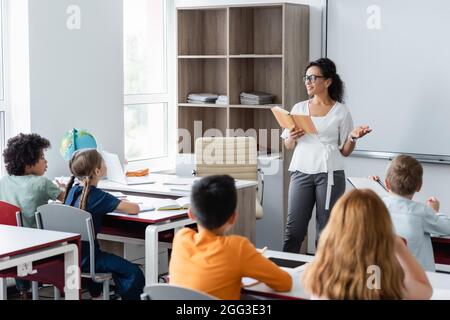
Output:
x=106 y=202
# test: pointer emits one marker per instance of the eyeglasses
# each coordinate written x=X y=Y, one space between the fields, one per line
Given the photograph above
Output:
x=312 y=78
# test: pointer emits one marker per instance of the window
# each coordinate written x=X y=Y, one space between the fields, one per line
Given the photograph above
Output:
x=148 y=111
x=3 y=104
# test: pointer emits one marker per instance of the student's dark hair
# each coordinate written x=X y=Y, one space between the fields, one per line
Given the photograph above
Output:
x=328 y=68
x=82 y=166
x=23 y=150
x=213 y=200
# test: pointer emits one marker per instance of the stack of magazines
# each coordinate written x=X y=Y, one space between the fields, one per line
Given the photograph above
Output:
x=222 y=100
x=256 y=98
x=204 y=98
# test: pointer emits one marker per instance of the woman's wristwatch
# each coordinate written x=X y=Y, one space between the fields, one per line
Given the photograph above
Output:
x=352 y=138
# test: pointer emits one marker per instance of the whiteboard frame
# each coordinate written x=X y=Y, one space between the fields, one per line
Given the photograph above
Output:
x=426 y=158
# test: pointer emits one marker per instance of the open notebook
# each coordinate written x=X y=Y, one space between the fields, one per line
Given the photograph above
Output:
x=368 y=183
x=171 y=204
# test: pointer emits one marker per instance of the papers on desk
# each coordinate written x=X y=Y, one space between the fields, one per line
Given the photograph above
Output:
x=248 y=282
x=117 y=194
x=367 y=183
x=156 y=204
x=181 y=188
x=178 y=181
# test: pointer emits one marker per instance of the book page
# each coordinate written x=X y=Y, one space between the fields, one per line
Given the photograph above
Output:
x=304 y=122
x=284 y=119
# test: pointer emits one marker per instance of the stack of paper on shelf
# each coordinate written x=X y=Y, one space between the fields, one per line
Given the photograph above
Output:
x=205 y=98
x=222 y=100
x=256 y=98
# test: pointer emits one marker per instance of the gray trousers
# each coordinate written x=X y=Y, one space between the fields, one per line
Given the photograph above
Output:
x=305 y=190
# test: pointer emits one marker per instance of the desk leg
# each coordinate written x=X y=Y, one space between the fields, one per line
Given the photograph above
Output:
x=3 y=289
x=72 y=273
x=151 y=255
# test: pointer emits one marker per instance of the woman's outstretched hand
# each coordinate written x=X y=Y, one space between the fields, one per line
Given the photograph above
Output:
x=360 y=131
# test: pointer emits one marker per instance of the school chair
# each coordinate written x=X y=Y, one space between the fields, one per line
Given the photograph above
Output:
x=59 y=217
x=12 y=216
x=235 y=156
x=171 y=292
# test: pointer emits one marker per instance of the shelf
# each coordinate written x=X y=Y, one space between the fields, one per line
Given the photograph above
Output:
x=256 y=30
x=201 y=75
x=193 y=122
x=202 y=32
x=203 y=105
x=248 y=75
x=255 y=56
x=254 y=121
x=258 y=107
x=202 y=57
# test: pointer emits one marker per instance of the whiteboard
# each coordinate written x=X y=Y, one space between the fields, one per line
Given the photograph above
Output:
x=394 y=57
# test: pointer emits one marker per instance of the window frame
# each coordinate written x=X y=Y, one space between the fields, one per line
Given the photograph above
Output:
x=167 y=162
x=4 y=97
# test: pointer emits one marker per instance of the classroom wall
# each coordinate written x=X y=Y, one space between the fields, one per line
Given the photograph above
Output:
x=76 y=76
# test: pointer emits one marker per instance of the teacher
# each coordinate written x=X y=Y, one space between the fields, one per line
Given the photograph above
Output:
x=317 y=166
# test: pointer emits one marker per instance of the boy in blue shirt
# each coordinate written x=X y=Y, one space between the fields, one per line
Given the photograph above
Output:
x=25 y=185
x=414 y=221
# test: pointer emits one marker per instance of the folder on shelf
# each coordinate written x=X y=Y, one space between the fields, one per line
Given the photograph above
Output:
x=291 y=121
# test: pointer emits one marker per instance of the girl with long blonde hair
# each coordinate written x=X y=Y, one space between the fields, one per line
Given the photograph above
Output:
x=88 y=167
x=360 y=257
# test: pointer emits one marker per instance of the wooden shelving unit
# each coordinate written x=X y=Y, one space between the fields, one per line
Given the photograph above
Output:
x=230 y=49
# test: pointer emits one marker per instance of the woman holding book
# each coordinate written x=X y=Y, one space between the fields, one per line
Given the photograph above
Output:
x=317 y=165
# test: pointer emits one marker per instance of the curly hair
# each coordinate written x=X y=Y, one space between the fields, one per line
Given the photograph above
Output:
x=328 y=68
x=23 y=150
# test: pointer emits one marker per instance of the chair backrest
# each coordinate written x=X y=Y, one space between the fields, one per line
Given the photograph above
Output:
x=60 y=217
x=10 y=214
x=171 y=292
x=235 y=156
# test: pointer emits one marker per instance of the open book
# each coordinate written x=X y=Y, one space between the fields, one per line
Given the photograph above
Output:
x=291 y=121
x=367 y=183
x=171 y=204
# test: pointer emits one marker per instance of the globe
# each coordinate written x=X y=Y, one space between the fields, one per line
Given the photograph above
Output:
x=74 y=140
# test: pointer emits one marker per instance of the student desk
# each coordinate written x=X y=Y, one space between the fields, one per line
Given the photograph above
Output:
x=144 y=229
x=246 y=191
x=439 y=281
x=441 y=250
x=22 y=246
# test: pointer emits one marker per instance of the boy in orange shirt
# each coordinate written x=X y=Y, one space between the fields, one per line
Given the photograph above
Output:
x=210 y=261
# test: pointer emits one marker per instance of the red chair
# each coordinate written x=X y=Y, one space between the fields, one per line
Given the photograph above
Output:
x=47 y=269
x=10 y=215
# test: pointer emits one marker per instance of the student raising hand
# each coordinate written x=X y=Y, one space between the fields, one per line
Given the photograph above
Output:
x=434 y=203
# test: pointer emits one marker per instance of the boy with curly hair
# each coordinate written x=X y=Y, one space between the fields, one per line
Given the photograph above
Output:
x=25 y=185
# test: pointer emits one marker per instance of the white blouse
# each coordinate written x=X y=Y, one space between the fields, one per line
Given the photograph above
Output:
x=320 y=153
x=317 y=153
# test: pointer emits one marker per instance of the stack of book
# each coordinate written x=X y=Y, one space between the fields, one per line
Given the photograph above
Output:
x=204 y=98
x=256 y=98
x=222 y=100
